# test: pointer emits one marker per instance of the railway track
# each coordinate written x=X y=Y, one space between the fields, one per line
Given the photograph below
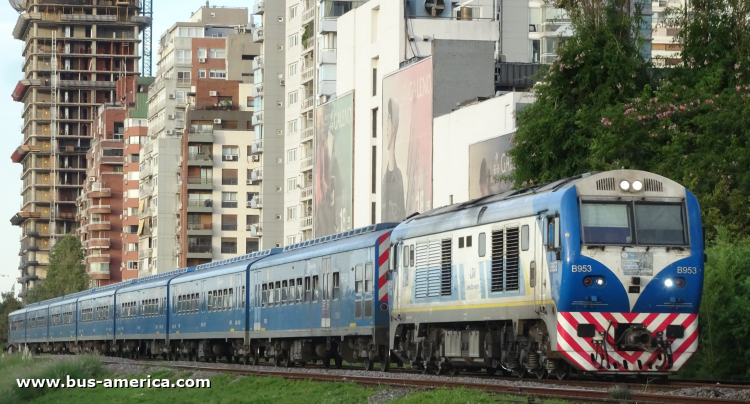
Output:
x=573 y=390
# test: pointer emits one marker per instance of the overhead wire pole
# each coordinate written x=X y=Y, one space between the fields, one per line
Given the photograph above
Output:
x=147 y=11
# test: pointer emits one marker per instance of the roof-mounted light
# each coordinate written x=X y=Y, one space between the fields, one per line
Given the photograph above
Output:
x=624 y=185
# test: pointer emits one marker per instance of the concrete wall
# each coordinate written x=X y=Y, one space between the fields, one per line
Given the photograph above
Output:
x=239 y=45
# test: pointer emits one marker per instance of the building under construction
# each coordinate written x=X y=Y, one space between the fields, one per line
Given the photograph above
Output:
x=75 y=51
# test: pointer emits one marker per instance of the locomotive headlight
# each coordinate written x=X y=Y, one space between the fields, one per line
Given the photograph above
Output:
x=668 y=283
x=637 y=185
x=600 y=281
x=624 y=185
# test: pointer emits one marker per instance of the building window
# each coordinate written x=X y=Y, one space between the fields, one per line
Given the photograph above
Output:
x=229 y=246
x=132 y=246
x=292 y=127
x=217 y=53
x=230 y=153
x=293 y=11
x=293 y=98
x=217 y=74
x=291 y=155
x=293 y=40
x=290 y=240
x=291 y=184
x=374 y=81
x=179 y=96
x=183 y=56
x=183 y=77
x=228 y=199
x=291 y=213
x=201 y=73
x=292 y=69
x=202 y=53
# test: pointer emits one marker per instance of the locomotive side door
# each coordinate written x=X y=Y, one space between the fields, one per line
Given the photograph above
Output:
x=536 y=267
x=325 y=318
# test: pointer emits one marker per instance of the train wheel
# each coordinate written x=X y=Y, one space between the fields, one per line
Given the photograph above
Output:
x=520 y=372
x=368 y=364
x=339 y=362
x=385 y=361
x=540 y=373
x=277 y=360
x=286 y=361
x=562 y=372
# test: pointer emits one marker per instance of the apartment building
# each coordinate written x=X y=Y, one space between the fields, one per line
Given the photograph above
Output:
x=74 y=53
x=110 y=190
x=187 y=52
x=268 y=121
x=665 y=48
x=220 y=174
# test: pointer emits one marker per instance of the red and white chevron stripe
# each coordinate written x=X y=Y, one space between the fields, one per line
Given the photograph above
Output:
x=384 y=249
x=579 y=350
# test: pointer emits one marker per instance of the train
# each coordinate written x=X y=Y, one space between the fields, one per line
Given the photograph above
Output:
x=596 y=274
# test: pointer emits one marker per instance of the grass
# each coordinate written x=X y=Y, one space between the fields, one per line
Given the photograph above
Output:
x=225 y=388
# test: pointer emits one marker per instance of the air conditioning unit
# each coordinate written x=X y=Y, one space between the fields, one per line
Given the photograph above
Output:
x=170 y=132
x=309 y=177
x=282 y=82
x=201 y=60
x=92 y=179
x=255 y=158
x=279 y=104
x=279 y=132
x=170 y=116
x=217 y=121
x=212 y=93
x=171 y=96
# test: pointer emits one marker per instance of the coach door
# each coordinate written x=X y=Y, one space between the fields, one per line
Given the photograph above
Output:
x=257 y=299
x=237 y=302
x=204 y=310
x=325 y=321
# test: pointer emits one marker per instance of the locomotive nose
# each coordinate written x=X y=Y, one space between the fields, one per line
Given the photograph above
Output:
x=636 y=336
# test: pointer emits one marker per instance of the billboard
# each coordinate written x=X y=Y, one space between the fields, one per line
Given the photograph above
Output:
x=488 y=162
x=334 y=138
x=406 y=185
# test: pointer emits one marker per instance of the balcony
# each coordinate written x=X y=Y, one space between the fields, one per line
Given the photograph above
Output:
x=306 y=222
x=99 y=209
x=257 y=146
x=104 y=258
x=258 y=35
x=258 y=90
x=229 y=227
x=257 y=118
x=99 y=226
x=258 y=63
x=229 y=181
x=229 y=204
x=308 y=14
x=256 y=230
x=230 y=157
x=326 y=87
x=327 y=56
x=308 y=74
x=98 y=192
x=97 y=243
x=200 y=205
x=144 y=253
x=98 y=271
x=308 y=103
x=199 y=251
x=327 y=26
x=199 y=229
x=200 y=159
x=259 y=8
x=308 y=46
x=256 y=203
x=201 y=135
x=200 y=183
x=306 y=193
x=306 y=163
x=307 y=134
x=256 y=175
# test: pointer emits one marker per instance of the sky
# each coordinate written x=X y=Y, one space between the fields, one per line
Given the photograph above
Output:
x=166 y=13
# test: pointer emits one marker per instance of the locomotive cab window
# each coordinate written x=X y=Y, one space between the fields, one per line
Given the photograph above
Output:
x=482 y=249
x=660 y=224
x=633 y=223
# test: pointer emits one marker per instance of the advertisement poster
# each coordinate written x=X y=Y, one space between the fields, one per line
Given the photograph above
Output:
x=488 y=163
x=407 y=142
x=334 y=137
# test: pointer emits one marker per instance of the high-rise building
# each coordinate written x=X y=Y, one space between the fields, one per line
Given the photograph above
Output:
x=74 y=53
x=108 y=204
x=268 y=120
x=187 y=51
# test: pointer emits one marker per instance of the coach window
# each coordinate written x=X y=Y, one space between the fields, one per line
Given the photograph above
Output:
x=460 y=242
x=299 y=290
x=336 y=286
x=326 y=293
x=271 y=292
x=292 y=292
x=264 y=296
x=468 y=241
x=411 y=255
x=369 y=276
x=308 y=291
x=284 y=287
x=482 y=248
x=358 y=281
x=525 y=237
x=277 y=294
x=316 y=287
x=243 y=298
x=230 y=303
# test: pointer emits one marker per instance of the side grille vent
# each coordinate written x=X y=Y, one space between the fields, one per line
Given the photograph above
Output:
x=606 y=184
x=653 y=185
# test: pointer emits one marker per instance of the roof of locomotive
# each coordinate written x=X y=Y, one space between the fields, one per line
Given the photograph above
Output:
x=333 y=244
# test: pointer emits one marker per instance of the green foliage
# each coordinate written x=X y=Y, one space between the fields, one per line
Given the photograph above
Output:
x=66 y=273
x=723 y=346
x=8 y=304
x=599 y=65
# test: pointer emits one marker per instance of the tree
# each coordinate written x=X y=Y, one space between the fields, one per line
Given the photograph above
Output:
x=8 y=304
x=66 y=273
x=598 y=66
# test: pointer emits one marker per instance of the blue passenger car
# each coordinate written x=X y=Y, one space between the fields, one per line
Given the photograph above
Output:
x=322 y=300
x=17 y=329
x=208 y=310
x=96 y=320
x=141 y=319
x=62 y=324
x=36 y=323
